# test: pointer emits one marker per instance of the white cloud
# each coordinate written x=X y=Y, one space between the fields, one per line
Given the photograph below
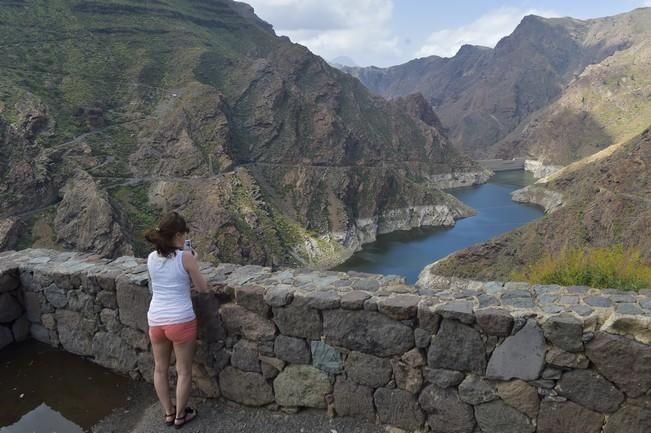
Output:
x=330 y=28
x=487 y=30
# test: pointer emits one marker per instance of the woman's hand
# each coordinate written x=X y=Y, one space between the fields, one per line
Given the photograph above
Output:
x=191 y=265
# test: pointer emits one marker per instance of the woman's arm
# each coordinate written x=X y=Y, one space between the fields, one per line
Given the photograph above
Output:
x=191 y=265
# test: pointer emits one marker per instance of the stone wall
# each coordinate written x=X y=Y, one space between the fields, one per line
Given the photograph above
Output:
x=454 y=357
x=14 y=325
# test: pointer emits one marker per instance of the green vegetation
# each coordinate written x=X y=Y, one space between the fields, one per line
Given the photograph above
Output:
x=612 y=266
x=135 y=202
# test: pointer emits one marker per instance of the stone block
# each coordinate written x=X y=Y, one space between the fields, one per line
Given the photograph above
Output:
x=521 y=356
x=113 y=352
x=133 y=304
x=135 y=338
x=428 y=319
x=443 y=378
x=206 y=307
x=457 y=347
x=291 y=349
x=302 y=386
x=20 y=329
x=407 y=377
x=367 y=331
x=352 y=399
x=567 y=417
x=10 y=308
x=561 y=358
x=368 y=369
x=520 y=395
x=498 y=417
x=9 y=281
x=422 y=338
x=33 y=306
x=242 y=322
x=75 y=332
x=354 y=300
x=495 y=321
x=107 y=299
x=298 y=321
x=446 y=412
x=590 y=390
x=251 y=297
x=250 y=389
x=623 y=361
x=399 y=307
x=326 y=357
x=459 y=310
x=474 y=390
x=245 y=356
x=278 y=296
x=398 y=408
x=564 y=332
x=629 y=419
x=56 y=296
x=321 y=300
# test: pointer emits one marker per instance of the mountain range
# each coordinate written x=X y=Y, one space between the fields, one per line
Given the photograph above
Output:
x=555 y=90
x=112 y=113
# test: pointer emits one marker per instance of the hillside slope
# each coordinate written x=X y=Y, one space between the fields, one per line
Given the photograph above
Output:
x=555 y=90
x=113 y=112
x=607 y=200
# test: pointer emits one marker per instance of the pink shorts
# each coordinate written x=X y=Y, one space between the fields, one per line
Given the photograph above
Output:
x=176 y=333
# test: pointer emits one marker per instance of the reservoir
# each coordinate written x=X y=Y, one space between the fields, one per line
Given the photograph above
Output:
x=406 y=253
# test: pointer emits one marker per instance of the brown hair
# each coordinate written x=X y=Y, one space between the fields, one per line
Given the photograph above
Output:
x=163 y=235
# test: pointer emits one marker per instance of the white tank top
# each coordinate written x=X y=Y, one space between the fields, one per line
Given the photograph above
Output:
x=170 y=283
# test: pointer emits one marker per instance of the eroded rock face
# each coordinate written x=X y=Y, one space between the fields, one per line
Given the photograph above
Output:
x=86 y=220
x=8 y=233
x=623 y=361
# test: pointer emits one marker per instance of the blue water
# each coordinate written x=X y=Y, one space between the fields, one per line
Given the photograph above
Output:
x=408 y=252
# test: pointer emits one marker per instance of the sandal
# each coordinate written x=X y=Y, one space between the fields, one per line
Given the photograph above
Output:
x=168 y=421
x=188 y=416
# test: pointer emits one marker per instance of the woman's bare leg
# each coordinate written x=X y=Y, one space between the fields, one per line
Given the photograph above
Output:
x=162 y=352
x=184 y=353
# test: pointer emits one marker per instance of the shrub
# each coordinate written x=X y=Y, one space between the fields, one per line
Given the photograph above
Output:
x=612 y=266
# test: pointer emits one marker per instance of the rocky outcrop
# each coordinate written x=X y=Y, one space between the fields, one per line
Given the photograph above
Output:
x=600 y=201
x=518 y=366
x=539 y=195
x=273 y=156
x=8 y=233
x=86 y=220
x=555 y=90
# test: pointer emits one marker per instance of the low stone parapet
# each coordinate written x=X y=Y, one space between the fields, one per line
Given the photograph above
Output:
x=456 y=356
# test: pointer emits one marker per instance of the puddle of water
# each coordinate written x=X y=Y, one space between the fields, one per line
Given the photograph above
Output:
x=45 y=390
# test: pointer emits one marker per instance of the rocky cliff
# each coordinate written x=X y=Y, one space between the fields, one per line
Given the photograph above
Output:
x=113 y=112
x=555 y=90
x=602 y=200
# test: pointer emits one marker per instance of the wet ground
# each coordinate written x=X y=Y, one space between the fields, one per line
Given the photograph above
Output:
x=44 y=390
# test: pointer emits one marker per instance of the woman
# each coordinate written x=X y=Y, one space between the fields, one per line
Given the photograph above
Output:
x=171 y=317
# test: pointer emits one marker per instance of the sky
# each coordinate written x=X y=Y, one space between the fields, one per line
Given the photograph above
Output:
x=391 y=32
